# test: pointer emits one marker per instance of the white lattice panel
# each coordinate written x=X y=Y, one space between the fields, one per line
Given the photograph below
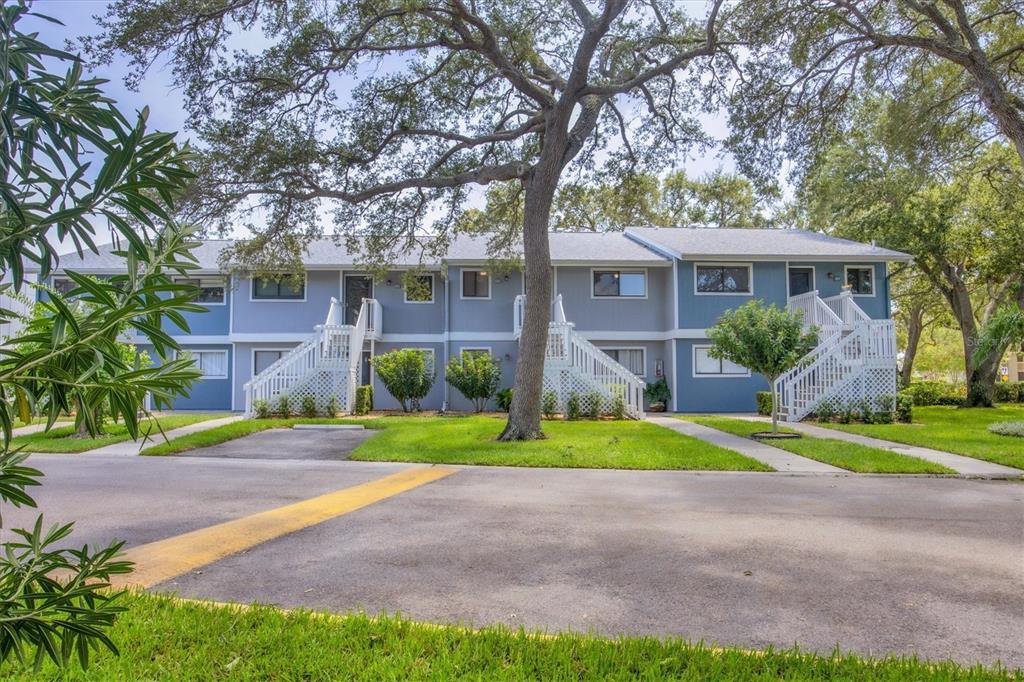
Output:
x=563 y=382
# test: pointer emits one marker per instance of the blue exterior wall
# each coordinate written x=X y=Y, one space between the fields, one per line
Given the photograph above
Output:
x=505 y=352
x=206 y=394
x=285 y=316
x=402 y=317
x=575 y=284
x=703 y=310
x=877 y=306
x=482 y=315
x=242 y=363
x=712 y=394
x=215 y=321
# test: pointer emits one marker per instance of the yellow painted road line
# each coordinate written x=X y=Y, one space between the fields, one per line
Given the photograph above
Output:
x=162 y=560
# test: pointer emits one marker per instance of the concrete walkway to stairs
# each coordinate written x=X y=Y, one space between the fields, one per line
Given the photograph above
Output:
x=967 y=466
x=130 y=448
x=780 y=460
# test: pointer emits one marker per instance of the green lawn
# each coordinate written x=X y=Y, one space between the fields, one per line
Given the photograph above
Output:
x=245 y=427
x=471 y=440
x=851 y=456
x=959 y=430
x=165 y=639
x=62 y=438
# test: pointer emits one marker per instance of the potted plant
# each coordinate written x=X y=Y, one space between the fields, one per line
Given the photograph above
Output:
x=658 y=395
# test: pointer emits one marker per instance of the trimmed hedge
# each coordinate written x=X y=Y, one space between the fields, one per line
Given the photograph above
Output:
x=935 y=393
x=764 y=403
x=364 y=399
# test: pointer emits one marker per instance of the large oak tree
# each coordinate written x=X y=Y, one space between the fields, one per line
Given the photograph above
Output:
x=388 y=112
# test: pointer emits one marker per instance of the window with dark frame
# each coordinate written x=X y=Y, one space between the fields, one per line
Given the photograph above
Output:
x=630 y=358
x=619 y=284
x=285 y=288
x=421 y=291
x=262 y=359
x=861 y=280
x=211 y=289
x=723 y=279
x=476 y=284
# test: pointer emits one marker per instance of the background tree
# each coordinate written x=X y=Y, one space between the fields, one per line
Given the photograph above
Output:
x=390 y=111
x=767 y=340
x=69 y=162
x=717 y=199
x=917 y=307
x=959 y=218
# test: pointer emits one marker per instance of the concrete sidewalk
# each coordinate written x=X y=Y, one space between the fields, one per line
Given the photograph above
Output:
x=968 y=466
x=130 y=448
x=780 y=460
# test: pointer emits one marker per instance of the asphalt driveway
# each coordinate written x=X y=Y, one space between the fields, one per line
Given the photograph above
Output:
x=325 y=444
x=923 y=566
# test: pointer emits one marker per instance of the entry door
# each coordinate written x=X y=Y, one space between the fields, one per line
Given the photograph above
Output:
x=801 y=280
x=357 y=287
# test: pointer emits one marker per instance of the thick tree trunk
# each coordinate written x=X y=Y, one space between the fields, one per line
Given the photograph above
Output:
x=524 y=414
x=915 y=325
x=981 y=378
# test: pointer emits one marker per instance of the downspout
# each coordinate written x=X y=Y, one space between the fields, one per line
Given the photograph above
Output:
x=444 y=338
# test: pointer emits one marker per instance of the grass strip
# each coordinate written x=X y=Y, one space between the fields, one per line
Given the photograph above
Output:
x=850 y=456
x=963 y=431
x=63 y=438
x=165 y=638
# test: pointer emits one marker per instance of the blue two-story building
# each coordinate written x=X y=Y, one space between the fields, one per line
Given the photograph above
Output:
x=630 y=307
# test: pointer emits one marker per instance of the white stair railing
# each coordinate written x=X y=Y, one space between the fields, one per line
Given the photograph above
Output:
x=331 y=348
x=851 y=348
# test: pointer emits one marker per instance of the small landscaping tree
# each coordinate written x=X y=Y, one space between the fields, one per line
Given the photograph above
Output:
x=476 y=376
x=407 y=376
x=765 y=339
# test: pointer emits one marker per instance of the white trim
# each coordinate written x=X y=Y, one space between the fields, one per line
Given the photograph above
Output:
x=675 y=293
x=608 y=335
x=269 y=337
x=227 y=282
x=814 y=277
x=480 y=336
x=305 y=292
x=628 y=271
x=234 y=373
x=476 y=263
x=874 y=279
x=405 y=292
x=642 y=349
x=412 y=338
x=693 y=366
x=462 y=282
x=710 y=264
x=673 y=383
x=205 y=377
x=197 y=340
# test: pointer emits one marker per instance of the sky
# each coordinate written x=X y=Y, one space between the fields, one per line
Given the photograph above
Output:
x=165 y=102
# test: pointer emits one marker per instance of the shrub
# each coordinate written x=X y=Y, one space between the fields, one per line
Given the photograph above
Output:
x=261 y=408
x=309 y=406
x=284 y=406
x=503 y=399
x=333 y=408
x=904 y=409
x=619 y=407
x=406 y=375
x=1009 y=392
x=476 y=376
x=572 y=407
x=826 y=411
x=658 y=392
x=549 y=404
x=1014 y=428
x=764 y=403
x=593 y=401
x=884 y=412
x=867 y=411
x=847 y=412
x=364 y=399
x=935 y=393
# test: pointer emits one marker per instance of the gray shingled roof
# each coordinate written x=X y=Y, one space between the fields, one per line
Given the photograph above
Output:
x=566 y=247
x=707 y=242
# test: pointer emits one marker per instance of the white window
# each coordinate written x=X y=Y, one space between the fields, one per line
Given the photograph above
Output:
x=861 y=279
x=706 y=366
x=264 y=358
x=286 y=288
x=619 y=283
x=723 y=278
x=476 y=284
x=212 y=364
x=480 y=350
x=631 y=358
x=421 y=291
x=211 y=289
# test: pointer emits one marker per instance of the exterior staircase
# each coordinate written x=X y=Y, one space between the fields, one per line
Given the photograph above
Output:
x=327 y=364
x=854 y=361
x=574 y=365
